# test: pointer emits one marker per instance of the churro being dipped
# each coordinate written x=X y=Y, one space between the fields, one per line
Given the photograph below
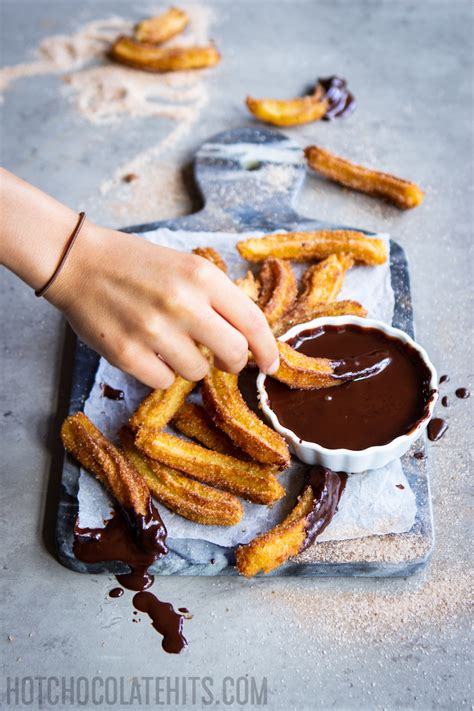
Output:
x=303 y=372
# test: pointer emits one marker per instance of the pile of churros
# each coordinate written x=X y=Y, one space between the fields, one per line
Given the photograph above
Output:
x=200 y=460
x=145 y=50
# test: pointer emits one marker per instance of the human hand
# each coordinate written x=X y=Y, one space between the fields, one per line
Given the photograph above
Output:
x=145 y=307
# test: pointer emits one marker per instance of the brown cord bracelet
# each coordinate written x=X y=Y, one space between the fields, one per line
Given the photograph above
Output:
x=65 y=255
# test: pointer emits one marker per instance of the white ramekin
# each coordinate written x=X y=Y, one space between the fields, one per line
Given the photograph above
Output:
x=347 y=460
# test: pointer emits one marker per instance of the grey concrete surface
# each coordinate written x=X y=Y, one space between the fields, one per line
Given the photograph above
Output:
x=321 y=644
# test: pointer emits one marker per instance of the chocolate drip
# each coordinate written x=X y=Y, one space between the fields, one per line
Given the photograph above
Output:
x=444 y=379
x=327 y=490
x=165 y=620
x=436 y=429
x=137 y=544
x=111 y=393
x=341 y=101
x=149 y=530
x=445 y=401
x=462 y=393
x=137 y=540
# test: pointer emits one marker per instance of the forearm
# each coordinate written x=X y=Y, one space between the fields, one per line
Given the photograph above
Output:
x=34 y=229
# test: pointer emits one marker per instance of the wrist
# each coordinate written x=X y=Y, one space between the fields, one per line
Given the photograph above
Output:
x=86 y=257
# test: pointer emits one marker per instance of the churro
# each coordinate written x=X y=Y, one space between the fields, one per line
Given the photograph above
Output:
x=291 y=112
x=212 y=255
x=253 y=482
x=160 y=406
x=306 y=311
x=321 y=284
x=151 y=58
x=186 y=497
x=193 y=421
x=224 y=402
x=303 y=372
x=159 y=29
x=249 y=285
x=278 y=290
x=313 y=512
x=96 y=454
x=401 y=193
x=306 y=246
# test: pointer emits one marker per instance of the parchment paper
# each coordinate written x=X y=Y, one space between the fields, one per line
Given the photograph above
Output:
x=375 y=502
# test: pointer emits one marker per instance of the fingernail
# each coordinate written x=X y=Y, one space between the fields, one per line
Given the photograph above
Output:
x=273 y=367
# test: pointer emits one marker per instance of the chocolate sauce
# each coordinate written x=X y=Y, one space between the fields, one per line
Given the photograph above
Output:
x=137 y=540
x=327 y=489
x=419 y=455
x=436 y=428
x=364 y=412
x=165 y=620
x=462 y=393
x=111 y=393
x=399 y=486
x=444 y=379
x=445 y=401
x=341 y=101
x=138 y=545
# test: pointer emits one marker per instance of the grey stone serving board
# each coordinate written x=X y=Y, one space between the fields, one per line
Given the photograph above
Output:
x=236 y=174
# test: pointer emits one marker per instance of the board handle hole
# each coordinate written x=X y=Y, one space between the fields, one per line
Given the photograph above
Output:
x=252 y=165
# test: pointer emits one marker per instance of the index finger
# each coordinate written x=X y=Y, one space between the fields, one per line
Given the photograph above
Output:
x=240 y=311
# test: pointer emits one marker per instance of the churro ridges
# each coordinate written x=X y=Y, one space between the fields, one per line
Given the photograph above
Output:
x=278 y=288
x=160 y=406
x=252 y=481
x=96 y=454
x=224 y=402
x=315 y=245
x=186 y=497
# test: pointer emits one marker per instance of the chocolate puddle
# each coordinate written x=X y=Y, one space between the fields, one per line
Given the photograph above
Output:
x=111 y=393
x=137 y=541
x=165 y=620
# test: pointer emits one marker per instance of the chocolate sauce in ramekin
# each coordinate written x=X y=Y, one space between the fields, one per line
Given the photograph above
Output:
x=362 y=413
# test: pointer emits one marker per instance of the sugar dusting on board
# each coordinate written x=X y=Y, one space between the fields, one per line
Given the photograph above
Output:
x=105 y=93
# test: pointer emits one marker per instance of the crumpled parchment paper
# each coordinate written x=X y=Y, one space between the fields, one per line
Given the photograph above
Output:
x=374 y=502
